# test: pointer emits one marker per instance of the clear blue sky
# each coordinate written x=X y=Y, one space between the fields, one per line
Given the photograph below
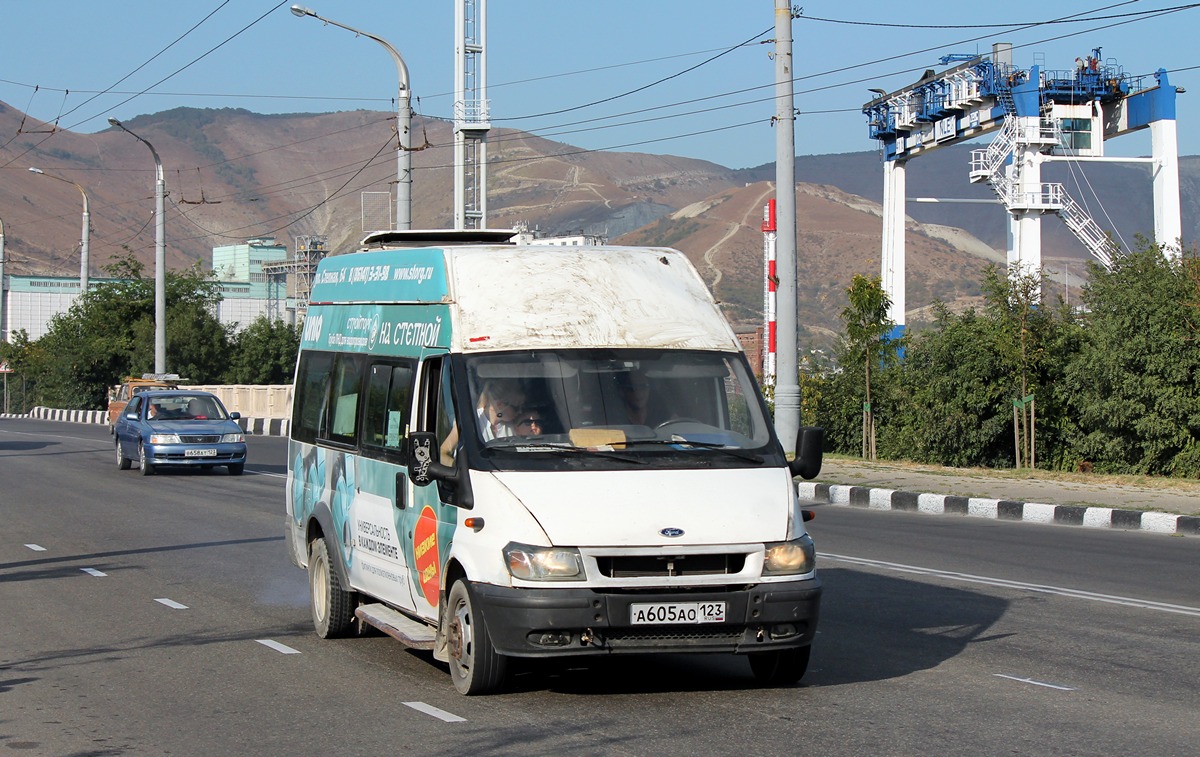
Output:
x=564 y=70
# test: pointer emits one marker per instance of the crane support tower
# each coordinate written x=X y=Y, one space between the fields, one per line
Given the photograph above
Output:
x=471 y=118
x=1036 y=116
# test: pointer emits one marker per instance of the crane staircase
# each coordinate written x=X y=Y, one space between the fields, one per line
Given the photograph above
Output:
x=988 y=165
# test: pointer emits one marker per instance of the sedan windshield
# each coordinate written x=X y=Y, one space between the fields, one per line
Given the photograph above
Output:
x=184 y=407
x=616 y=400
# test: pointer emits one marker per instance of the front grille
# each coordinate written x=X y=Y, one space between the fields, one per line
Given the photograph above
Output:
x=639 y=566
x=200 y=438
x=618 y=637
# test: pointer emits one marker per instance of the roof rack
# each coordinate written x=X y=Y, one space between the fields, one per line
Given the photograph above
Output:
x=436 y=237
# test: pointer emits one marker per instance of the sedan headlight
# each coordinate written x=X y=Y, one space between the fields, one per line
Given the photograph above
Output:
x=230 y=438
x=789 y=558
x=164 y=439
x=543 y=563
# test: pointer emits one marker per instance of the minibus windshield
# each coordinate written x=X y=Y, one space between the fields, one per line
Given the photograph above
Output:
x=626 y=400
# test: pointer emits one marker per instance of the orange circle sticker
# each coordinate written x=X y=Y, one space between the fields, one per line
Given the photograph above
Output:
x=425 y=555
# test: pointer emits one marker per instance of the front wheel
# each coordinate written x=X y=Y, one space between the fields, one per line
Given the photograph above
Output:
x=475 y=665
x=780 y=667
x=123 y=462
x=147 y=467
x=332 y=606
x=236 y=469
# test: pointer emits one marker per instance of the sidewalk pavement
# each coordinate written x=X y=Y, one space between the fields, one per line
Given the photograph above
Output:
x=1163 y=506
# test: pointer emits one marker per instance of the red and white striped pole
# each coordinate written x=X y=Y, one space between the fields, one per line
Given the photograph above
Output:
x=770 y=283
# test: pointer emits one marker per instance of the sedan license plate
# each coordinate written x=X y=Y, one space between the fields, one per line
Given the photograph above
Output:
x=199 y=453
x=658 y=613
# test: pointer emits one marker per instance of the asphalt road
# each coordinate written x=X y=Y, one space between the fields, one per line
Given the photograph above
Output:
x=159 y=615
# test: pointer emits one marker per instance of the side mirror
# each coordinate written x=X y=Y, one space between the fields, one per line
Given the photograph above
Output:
x=234 y=416
x=810 y=442
x=423 y=465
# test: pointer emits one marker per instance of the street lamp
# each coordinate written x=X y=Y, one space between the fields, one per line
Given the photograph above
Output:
x=160 y=257
x=404 y=120
x=87 y=226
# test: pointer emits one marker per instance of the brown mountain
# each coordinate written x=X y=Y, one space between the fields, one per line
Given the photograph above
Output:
x=232 y=175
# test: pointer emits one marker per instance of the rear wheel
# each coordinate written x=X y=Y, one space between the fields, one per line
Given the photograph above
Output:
x=332 y=606
x=147 y=468
x=122 y=462
x=475 y=665
x=781 y=666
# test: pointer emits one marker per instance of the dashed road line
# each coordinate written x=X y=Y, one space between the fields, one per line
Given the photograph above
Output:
x=429 y=709
x=281 y=648
x=171 y=603
x=93 y=572
x=1035 y=683
x=36 y=547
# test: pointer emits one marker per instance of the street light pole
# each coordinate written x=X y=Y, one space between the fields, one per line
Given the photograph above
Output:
x=403 y=121
x=160 y=256
x=87 y=230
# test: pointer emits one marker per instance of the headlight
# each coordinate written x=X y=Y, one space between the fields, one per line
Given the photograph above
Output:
x=787 y=558
x=229 y=438
x=543 y=563
x=164 y=438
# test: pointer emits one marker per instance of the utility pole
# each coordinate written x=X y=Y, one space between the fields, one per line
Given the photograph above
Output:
x=787 y=386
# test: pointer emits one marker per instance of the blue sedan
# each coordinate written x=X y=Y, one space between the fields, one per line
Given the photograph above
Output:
x=179 y=428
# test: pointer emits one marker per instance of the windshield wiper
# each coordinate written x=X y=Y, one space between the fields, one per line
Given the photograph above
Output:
x=731 y=451
x=566 y=450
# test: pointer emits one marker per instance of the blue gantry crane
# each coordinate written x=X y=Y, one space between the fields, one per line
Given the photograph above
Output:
x=1036 y=115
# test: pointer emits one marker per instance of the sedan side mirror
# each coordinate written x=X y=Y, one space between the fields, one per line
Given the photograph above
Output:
x=810 y=442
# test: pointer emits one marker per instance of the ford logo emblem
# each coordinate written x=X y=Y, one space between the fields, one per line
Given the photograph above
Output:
x=672 y=532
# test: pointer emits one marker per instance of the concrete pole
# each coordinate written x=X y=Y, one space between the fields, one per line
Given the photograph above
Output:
x=3 y=303
x=787 y=386
x=160 y=255
x=160 y=269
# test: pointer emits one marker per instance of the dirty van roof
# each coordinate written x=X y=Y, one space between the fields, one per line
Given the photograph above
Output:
x=438 y=237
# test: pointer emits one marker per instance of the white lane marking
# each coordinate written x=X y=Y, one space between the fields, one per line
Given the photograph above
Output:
x=171 y=603
x=429 y=709
x=281 y=648
x=93 y=572
x=1144 y=604
x=36 y=547
x=1035 y=683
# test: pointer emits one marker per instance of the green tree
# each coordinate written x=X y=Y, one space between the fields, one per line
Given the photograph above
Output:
x=1134 y=385
x=960 y=377
x=108 y=333
x=264 y=353
x=867 y=323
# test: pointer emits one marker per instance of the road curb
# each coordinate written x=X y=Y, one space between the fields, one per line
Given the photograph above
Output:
x=1000 y=509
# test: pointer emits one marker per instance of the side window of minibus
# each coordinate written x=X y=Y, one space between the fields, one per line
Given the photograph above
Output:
x=389 y=396
x=346 y=388
x=312 y=391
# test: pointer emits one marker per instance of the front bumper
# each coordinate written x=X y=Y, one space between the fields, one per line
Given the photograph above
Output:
x=176 y=454
x=560 y=622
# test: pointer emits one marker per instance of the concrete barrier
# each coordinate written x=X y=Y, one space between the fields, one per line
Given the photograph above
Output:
x=251 y=425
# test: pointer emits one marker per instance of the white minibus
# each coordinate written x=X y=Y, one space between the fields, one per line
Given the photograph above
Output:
x=502 y=451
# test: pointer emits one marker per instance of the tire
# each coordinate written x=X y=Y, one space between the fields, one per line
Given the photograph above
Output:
x=780 y=667
x=475 y=665
x=147 y=468
x=123 y=463
x=332 y=606
x=236 y=469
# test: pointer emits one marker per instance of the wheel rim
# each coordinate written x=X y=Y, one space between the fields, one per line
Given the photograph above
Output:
x=120 y=457
x=142 y=456
x=320 y=586
x=461 y=641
